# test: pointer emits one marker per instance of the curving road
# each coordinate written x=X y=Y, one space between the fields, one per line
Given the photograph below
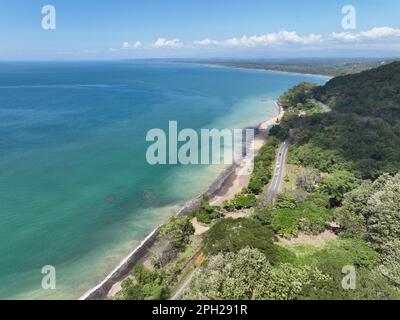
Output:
x=278 y=175
x=280 y=168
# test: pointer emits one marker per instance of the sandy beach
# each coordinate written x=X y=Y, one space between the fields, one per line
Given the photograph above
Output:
x=240 y=178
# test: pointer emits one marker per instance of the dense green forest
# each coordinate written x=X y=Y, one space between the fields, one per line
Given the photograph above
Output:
x=339 y=213
x=361 y=134
x=372 y=93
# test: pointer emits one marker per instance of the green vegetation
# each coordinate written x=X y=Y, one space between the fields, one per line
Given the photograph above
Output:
x=255 y=186
x=315 y=273
x=279 y=132
x=372 y=94
x=178 y=230
x=262 y=173
x=337 y=184
x=146 y=285
x=358 y=139
x=241 y=201
x=299 y=98
x=308 y=217
x=390 y=267
x=286 y=200
x=207 y=214
x=361 y=134
x=233 y=235
x=307 y=179
x=370 y=284
x=372 y=212
x=248 y=274
x=263 y=163
x=345 y=181
x=159 y=282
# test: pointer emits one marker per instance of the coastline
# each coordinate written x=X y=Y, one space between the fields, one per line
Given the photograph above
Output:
x=236 y=182
x=224 y=187
x=211 y=65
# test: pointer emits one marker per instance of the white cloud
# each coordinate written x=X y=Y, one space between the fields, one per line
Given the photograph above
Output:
x=205 y=42
x=377 y=33
x=344 y=36
x=162 y=42
x=274 y=38
x=372 y=34
x=126 y=45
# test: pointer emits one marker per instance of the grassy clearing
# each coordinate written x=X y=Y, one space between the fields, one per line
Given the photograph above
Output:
x=310 y=245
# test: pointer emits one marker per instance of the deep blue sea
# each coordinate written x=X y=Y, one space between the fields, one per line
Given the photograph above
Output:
x=76 y=191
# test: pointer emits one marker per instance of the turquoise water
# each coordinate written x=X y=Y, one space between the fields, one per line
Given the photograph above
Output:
x=76 y=191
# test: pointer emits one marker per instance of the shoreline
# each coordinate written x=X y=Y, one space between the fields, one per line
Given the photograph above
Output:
x=211 y=65
x=224 y=187
x=236 y=182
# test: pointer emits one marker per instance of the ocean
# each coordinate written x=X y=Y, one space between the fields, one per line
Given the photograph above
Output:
x=76 y=191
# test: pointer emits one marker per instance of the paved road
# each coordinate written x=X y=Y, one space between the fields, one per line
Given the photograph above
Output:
x=279 y=174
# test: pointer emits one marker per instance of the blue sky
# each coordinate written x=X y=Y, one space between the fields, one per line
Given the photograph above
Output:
x=116 y=29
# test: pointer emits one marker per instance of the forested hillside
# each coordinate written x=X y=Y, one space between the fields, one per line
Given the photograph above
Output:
x=361 y=134
x=352 y=155
x=372 y=93
x=334 y=231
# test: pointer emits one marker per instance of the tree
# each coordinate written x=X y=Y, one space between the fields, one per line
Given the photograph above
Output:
x=286 y=200
x=319 y=199
x=248 y=275
x=279 y=132
x=255 y=186
x=307 y=179
x=287 y=282
x=383 y=212
x=307 y=217
x=231 y=235
x=298 y=95
x=337 y=184
x=390 y=266
x=241 y=201
x=372 y=211
x=207 y=213
x=350 y=215
x=179 y=230
x=145 y=285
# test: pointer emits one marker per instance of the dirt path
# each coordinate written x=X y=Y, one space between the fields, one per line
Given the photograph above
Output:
x=199 y=228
